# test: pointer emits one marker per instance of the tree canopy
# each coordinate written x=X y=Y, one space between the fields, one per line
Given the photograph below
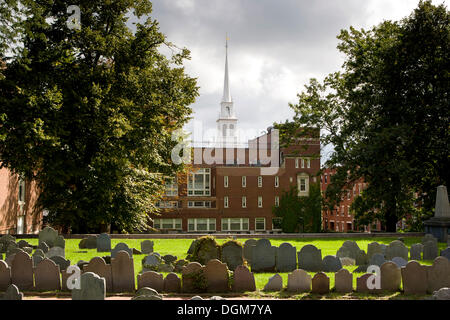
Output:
x=88 y=113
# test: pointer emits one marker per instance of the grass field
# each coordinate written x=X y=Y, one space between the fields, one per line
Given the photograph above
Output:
x=179 y=248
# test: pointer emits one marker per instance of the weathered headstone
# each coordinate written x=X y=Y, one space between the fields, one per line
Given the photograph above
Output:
x=430 y=250
x=348 y=249
x=361 y=258
x=320 y=283
x=343 y=281
x=399 y=261
x=165 y=268
x=122 y=267
x=5 y=276
x=151 y=279
x=438 y=275
x=377 y=259
x=147 y=246
x=446 y=253
x=23 y=244
x=36 y=260
x=429 y=237
x=331 y=264
x=146 y=293
x=243 y=280
x=168 y=258
x=63 y=263
x=98 y=266
x=441 y=294
x=120 y=247
x=92 y=287
x=206 y=249
x=47 y=276
x=415 y=252
x=190 y=274
x=310 y=258
x=216 y=274
x=43 y=246
x=88 y=243
x=373 y=248
x=275 y=283
x=60 y=242
x=346 y=261
x=286 y=258
x=103 y=243
x=179 y=264
x=151 y=262
x=13 y=293
x=414 y=278
x=263 y=256
x=248 y=248
x=361 y=284
x=22 y=271
x=396 y=249
x=172 y=283
x=232 y=254
x=299 y=281
x=48 y=235
x=56 y=251
x=391 y=276
x=28 y=250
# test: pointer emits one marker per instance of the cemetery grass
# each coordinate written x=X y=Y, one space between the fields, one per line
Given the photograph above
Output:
x=179 y=248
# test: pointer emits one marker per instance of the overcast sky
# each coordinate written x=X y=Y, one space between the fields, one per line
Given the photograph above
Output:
x=275 y=47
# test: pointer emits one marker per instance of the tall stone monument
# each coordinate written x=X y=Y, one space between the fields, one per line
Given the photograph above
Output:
x=439 y=225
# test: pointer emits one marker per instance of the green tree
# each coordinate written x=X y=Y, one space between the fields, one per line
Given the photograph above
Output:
x=386 y=114
x=89 y=113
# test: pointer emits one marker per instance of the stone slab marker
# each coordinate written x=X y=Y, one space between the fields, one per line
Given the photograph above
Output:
x=275 y=283
x=320 y=283
x=56 y=251
x=47 y=276
x=361 y=284
x=343 y=281
x=123 y=272
x=299 y=281
x=331 y=264
x=61 y=262
x=60 y=242
x=248 y=248
x=430 y=250
x=414 y=278
x=391 y=276
x=438 y=275
x=415 y=252
x=48 y=235
x=151 y=279
x=400 y=262
x=216 y=274
x=13 y=293
x=373 y=248
x=232 y=254
x=286 y=258
x=146 y=246
x=396 y=249
x=98 y=266
x=22 y=271
x=5 y=276
x=93 y=287
x=172 y=283
x=121 y=247
x=310 y=258
x=377 y=259
x=263 y=256
x=188 y=272
x=244 y=280
x=103 y=243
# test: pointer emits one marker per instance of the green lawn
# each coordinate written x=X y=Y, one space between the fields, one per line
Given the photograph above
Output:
x=179 y=248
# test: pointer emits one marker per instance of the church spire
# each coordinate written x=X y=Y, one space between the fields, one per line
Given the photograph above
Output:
x=226 y=85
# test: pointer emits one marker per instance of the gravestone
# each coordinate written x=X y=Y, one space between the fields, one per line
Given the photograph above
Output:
x=13 y=251
x=63 y=263
x=22 y=244
x=414 y=278
x=36 y=260
x=320 y=283
x=331 y=264
x=147 y=246
x=216 y=274
x=343 y=281
x=56 y=251
x=103 y=242
x=232 y=254
x=430 y=250
x=5 y=240
x=446 y=253
x=196 y=298
x=429 y=237
x=169 y=259
x=28 y=250
x=122 y=267
x=349 y=249
x=248 y=248
x=165 y=268
x=92 y=287
x=377 y=259
x=441 y=294
x=275 y=283
x=151 y=262
x=22 y=271
x=373 y=248
x=243 y=280
x=438 y=275
x=48 y=235
x=396 y=249
x=361 y=284
x=172 y=283
x=13 y=293
x=192 y=246
x=286 y=258
x=400 y=262
x=44 y=247
x=5 y=276
x=98 y=266
x=47 y=276
x=361 y=258
x=391 y=276
x=310 y=258
x=205 y=250
x=60 y=242
x=415 y=252
x=299 y=281
x=88 y=243
x=190 y=273
x=151 y=279
x=263 y=256
x=347 y=261
x=147 y=294
x=121 y=247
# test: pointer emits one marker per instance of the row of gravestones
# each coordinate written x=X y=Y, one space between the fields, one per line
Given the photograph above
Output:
x=102 y=243
x=167 y=263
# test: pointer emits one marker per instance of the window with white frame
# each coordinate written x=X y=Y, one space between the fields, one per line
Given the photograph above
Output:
x=277 y=181
x=20 y=224
x=296 y=162
x=21 y=196
x=260 y=181
x=201 y=224
x=260 y=201
x=260 y=224
x=167 y=204
x=244 y=202
x=199 y=182
x=244 y=181
x=277 y=201
x=199 y=204
x=167 y=224
x=225 y=202
x=225 y=181
x=303 y=162
x=303 y=184
x=171 y=187
x=235 y=224
x=308 y=162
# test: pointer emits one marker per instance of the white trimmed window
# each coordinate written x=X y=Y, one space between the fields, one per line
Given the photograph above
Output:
x=199 y=204
x=277 y=181
x=225 y=181
x=303 y=163
x=20 y=224
x=225 y=202
x=171 y=187
x=260 y=181
x=308 y=162
x=167 y=224
x=199 y=182
x=21 y=196
x=303 y=184
x=235 y=224
x=260 y=202
x=205 y=224
x=260 y=224
x=277 y=201
x=244 y=202
x=296 y=162
x=167 y=204
x=244 y=181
